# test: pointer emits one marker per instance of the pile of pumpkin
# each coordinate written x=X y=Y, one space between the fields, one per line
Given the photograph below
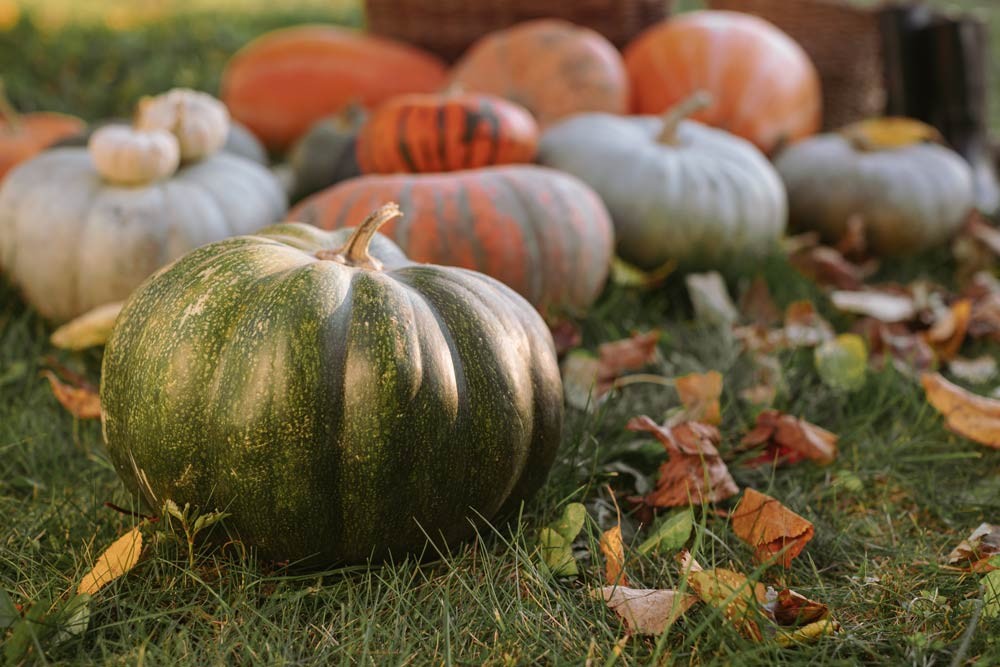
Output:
x=343 y=395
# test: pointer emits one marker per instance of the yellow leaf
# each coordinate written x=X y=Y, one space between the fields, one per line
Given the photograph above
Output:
x=89 y=330
x=614 y=557
x=116 y=560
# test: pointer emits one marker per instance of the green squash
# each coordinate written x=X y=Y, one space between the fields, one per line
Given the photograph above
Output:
x=327 y=153
x=339 y=405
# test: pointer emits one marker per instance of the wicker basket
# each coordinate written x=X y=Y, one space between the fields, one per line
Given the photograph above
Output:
x=448 y=27
x=843 y=40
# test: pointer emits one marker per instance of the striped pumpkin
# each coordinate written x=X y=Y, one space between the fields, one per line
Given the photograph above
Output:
x=540 y=231
x=763 y=85
x=281 y=83
x=551 y=67
x=448 y=132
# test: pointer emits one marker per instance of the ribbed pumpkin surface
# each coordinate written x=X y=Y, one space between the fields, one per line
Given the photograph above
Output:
x=284 y=81
x=551 y=67
x=335 y=412
x=427 y=133
x=540 y=231
x=763 y=85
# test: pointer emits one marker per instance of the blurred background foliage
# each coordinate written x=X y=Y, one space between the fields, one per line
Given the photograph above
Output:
x=95 y=58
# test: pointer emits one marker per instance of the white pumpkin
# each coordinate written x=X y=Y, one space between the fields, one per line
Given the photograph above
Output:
x=199 y=121
x=676 y=189
x=910 y=193
x=72 y=241
x=125 y=156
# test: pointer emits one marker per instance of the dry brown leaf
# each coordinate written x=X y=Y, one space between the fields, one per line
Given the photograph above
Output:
x=758 y=306
x=804 y=327
x=116 y=560
x=733 y=593
x=907 y=350
x=613 y=549
x=854 y=242
x=974 y=417
x=647 y=611
x=699 y=394
x=694 y=471
x=948 y=333
x=827 y=266
x=82 y=401
x=770 y=528
x=791 y=609
x=788 y=439
x=883 y=306
x=978 y=549
x=629 y=354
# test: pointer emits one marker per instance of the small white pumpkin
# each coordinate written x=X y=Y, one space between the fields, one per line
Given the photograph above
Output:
x=676 y=189
x=910 y=192
x=125 y=156
x=72 y=241
x=199 y=121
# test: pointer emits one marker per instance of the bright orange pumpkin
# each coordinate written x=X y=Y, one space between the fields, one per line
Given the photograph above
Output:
x=550 y=66
x=764 y=86
x=281 y=83
x=446 y=132
x=25 y=135
x=542 y=232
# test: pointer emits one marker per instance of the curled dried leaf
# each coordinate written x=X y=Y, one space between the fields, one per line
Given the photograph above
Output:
x=699 y=394
x=770 y=528
x=788 y=439
x=82 y=401
x=647 y=611
x=948 y=333
x=791 y=609
x=978 y=549
x=974 y=417
x=739 y=599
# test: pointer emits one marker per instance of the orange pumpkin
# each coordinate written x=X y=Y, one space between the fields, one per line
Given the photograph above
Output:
x=764 y=86
x=422 y=133
x=542 y=232
x=281 y=83
x=550 y=66
x=25 y=135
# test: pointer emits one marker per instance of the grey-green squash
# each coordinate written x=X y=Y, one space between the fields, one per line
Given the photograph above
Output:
x=677 y=190
x=326 y=154
x=910 y=192
x=339 y=403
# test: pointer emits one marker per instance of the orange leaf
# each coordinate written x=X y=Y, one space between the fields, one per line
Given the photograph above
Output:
x=978 y=549
x=629 y=354
x=770 y=528
x=116 y=560
x=804 y=327
x=975 y=417
x=699 y=393
x=948 y=333
x=614 y=557
x=757 y=305
x=82 y=401
x=790 y=439
x=792 y=609
x=647 y=611
x=694 y=471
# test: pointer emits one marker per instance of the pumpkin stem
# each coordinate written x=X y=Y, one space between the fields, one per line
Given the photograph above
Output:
x=355 y=251
x=7 y=110
x=673 y=116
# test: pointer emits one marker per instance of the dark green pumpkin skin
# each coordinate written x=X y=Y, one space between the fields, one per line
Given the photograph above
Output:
x=326 y=154
x=337 y=413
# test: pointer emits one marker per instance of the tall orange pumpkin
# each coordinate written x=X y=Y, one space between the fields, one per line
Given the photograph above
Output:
x=281 y=83
x=543 y=232
x=764 y=86
x=446 y=132
x=25 y=135
x=550 y=66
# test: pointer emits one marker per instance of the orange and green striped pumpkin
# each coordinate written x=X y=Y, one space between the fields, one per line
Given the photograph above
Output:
x=542 y=232
x=446 y=132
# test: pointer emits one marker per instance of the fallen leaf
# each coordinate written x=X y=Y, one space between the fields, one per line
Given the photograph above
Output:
x=842 y=363
x=854 y=242
x=984 y=321
x=804 y=327
x=587 y=379
x=694 y=471
x=948 y=333
x=699 y=394
x=556 y=541
x=977 y=549
x=883 y=306
x=628 y=275
x=792 y=609
x=738 y=598
x=907 y=350
x=807 y=634
x=827 y=266
x=670 y=534
x=647 y=611
x=770 y=528
x=710 y=297
x=613 y=549
x=980 y=229
x=758 y=306
x=88 y=330
x=975 y=371
x=82 y=401
x=788 y=439
x=974 y=417
x=116 y=561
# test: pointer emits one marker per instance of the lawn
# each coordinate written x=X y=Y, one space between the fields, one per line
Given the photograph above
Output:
x=902 y=493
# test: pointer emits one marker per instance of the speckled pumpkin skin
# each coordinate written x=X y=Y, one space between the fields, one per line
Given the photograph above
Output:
x=337 y=413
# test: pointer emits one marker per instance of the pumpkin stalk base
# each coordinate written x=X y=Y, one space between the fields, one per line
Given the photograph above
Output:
x=673 y=116
x=355 y=251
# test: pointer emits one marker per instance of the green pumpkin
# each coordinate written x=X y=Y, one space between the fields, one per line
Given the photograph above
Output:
x=326 y=154
x=340 y=405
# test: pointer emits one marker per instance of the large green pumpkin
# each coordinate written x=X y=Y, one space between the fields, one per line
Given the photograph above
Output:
x=339 y=406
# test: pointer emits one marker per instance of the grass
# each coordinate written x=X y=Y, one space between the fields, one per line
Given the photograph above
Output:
x=902 y=493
